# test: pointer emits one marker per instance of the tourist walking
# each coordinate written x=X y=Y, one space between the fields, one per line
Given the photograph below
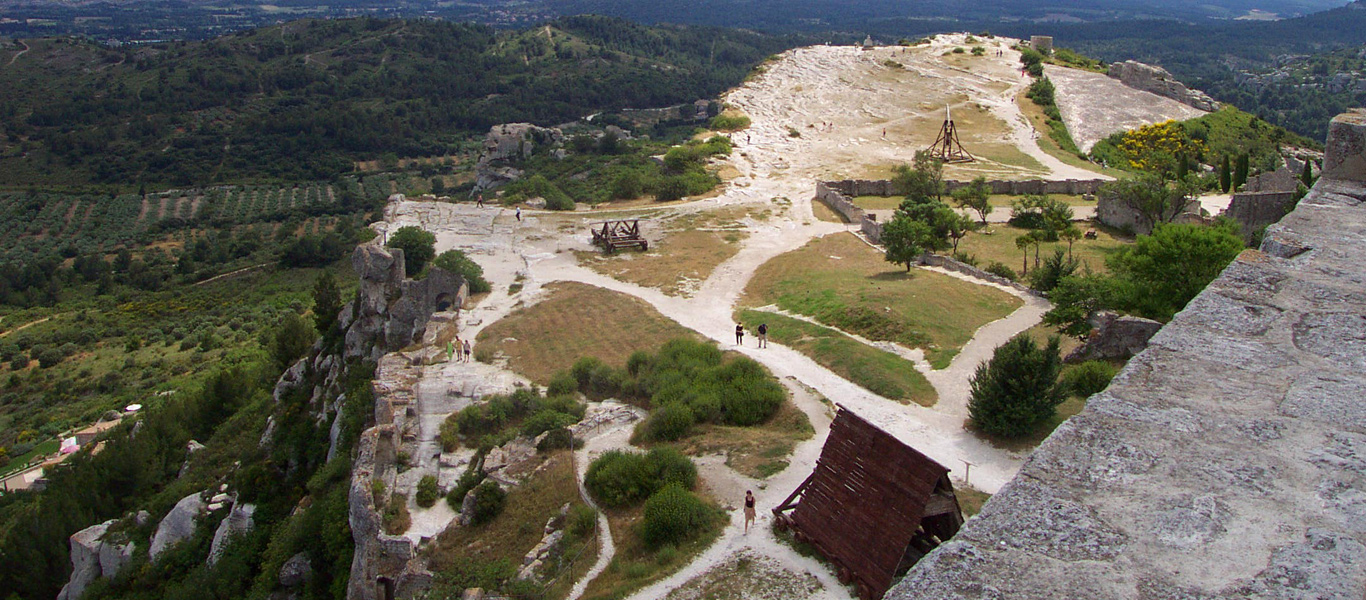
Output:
x=763 y=335
x=468 y=350
x=519 y=214
x=739 y=334
x=479 y=201
x=749 y=509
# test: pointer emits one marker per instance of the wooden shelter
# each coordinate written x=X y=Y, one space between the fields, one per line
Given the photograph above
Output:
x=946 y=147
x=615 y=235
x=873 y=506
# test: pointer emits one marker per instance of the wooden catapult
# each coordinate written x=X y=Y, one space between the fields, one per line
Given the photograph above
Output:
x=946 y=148
x=615 y=235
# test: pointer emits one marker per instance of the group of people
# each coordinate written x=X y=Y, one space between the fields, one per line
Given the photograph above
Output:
x=459 y=351
x=761 y=333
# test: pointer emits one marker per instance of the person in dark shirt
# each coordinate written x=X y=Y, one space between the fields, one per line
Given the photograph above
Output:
x=763 y=335
x=739 y=334
x=749 y=509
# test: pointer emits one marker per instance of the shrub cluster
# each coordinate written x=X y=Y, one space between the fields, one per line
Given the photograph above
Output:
x=457 y=262
x=1090 y=377
x=618 y=478
x=524 y=411
x=686 y=382
x=489 y=499
x=427 y=491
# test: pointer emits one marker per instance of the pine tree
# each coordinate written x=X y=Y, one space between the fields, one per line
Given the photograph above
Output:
x=326 y=302
x=1225 y=176
x=1240 y=172
x=1018 y=388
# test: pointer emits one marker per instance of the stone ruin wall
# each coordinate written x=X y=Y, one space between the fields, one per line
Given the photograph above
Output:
x=838 y=196
x=394 y=313
x=1255 y=210
x=1227 y=460
x=1115 y=213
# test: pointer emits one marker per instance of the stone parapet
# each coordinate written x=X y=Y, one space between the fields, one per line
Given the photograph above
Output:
x=1224 y=461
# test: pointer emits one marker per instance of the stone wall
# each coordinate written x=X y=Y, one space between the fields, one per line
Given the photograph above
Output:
x=1255 y=210
x=1158 y=81
x=1111 y=211
x=957 y=266
x=1226 y=460
x=839 y=195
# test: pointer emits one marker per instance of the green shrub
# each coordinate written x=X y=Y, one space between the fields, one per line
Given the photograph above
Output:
x=457 y=262
x=673 y=515
x=626 y=186
x=668 y=423
x=546 y=420
x=489 y=499
x=427 y=491
x=562 y=383
x=1001 y=270
x=1090 y=377
x=1017 y=389
x=582 y=370
x=619 y=478
x=450 y=433
x=556 y=439
x=729 y=122
x=418 y=246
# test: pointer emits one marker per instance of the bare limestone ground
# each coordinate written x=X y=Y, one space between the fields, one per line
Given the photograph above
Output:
x=838 y=100
x=1094 y=106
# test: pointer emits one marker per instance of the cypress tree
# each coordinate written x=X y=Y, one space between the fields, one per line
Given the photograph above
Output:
x=1225 y=176
x=1240 y=172
x=1182 y=169
x=326 y=302
x=1307 y=175
x=1018 y=388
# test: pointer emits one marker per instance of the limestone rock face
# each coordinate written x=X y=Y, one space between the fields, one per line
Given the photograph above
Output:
x=296 y=570
x=1115 y=337
x=92 y=557
x=1158 y=81
x=239 y=521
x=510 y=142
x=178 y=525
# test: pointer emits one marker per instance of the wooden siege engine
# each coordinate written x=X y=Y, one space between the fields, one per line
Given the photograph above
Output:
x=946 y=147
x=614 y=235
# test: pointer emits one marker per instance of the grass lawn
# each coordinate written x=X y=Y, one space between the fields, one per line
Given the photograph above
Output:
x=1000 y=201
x=577 y=320
x=692 y=247
x=519 y=527
x=999 y=246
x=825 y=213
x=970 y=499
x=635 y=565
x=760 y=451
x=877 y=371
x=845 y=284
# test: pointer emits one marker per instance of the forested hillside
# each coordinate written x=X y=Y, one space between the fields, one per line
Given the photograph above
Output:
x=303 y=100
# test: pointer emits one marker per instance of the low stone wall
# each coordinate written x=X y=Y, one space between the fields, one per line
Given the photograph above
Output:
x=1225 y=460
x=1255 y=210
x=883 y=187
x=957 y=266
x=1115 y=213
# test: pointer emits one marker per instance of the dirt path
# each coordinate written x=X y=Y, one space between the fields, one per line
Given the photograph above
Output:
x=26 y=325
x=19 y=53
x=848 y=97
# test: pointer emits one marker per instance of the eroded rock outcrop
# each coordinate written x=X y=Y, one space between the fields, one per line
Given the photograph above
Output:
x=1115 y=337
x=507 y=143
x=178 y=525
x=1158 y=81
x=239 y=521
x=94 y=554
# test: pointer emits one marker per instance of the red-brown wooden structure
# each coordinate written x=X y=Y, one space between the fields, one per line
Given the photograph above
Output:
x=873 y=506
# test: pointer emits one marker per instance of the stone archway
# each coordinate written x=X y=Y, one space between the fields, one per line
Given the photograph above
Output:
x=445 y=302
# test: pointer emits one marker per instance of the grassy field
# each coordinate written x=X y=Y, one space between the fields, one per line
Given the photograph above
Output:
x=577 y=320
x=692 y=247
x=1000 y=201
x=843 y=283
x=760 y=451
x=999 y=245
x=970 y=499
x=825 y=213
x=877 y=371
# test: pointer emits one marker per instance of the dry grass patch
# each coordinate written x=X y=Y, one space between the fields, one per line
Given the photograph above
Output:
x=576 y=320
x=847 y=285
x=635 y=566
x=520 y=526
x=970 y=499
x=693 y=245
x=823 y=212
x=760 y=451
x=997 y=244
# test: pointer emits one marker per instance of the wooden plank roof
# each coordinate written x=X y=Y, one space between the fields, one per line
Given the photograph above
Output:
x=864 y=501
